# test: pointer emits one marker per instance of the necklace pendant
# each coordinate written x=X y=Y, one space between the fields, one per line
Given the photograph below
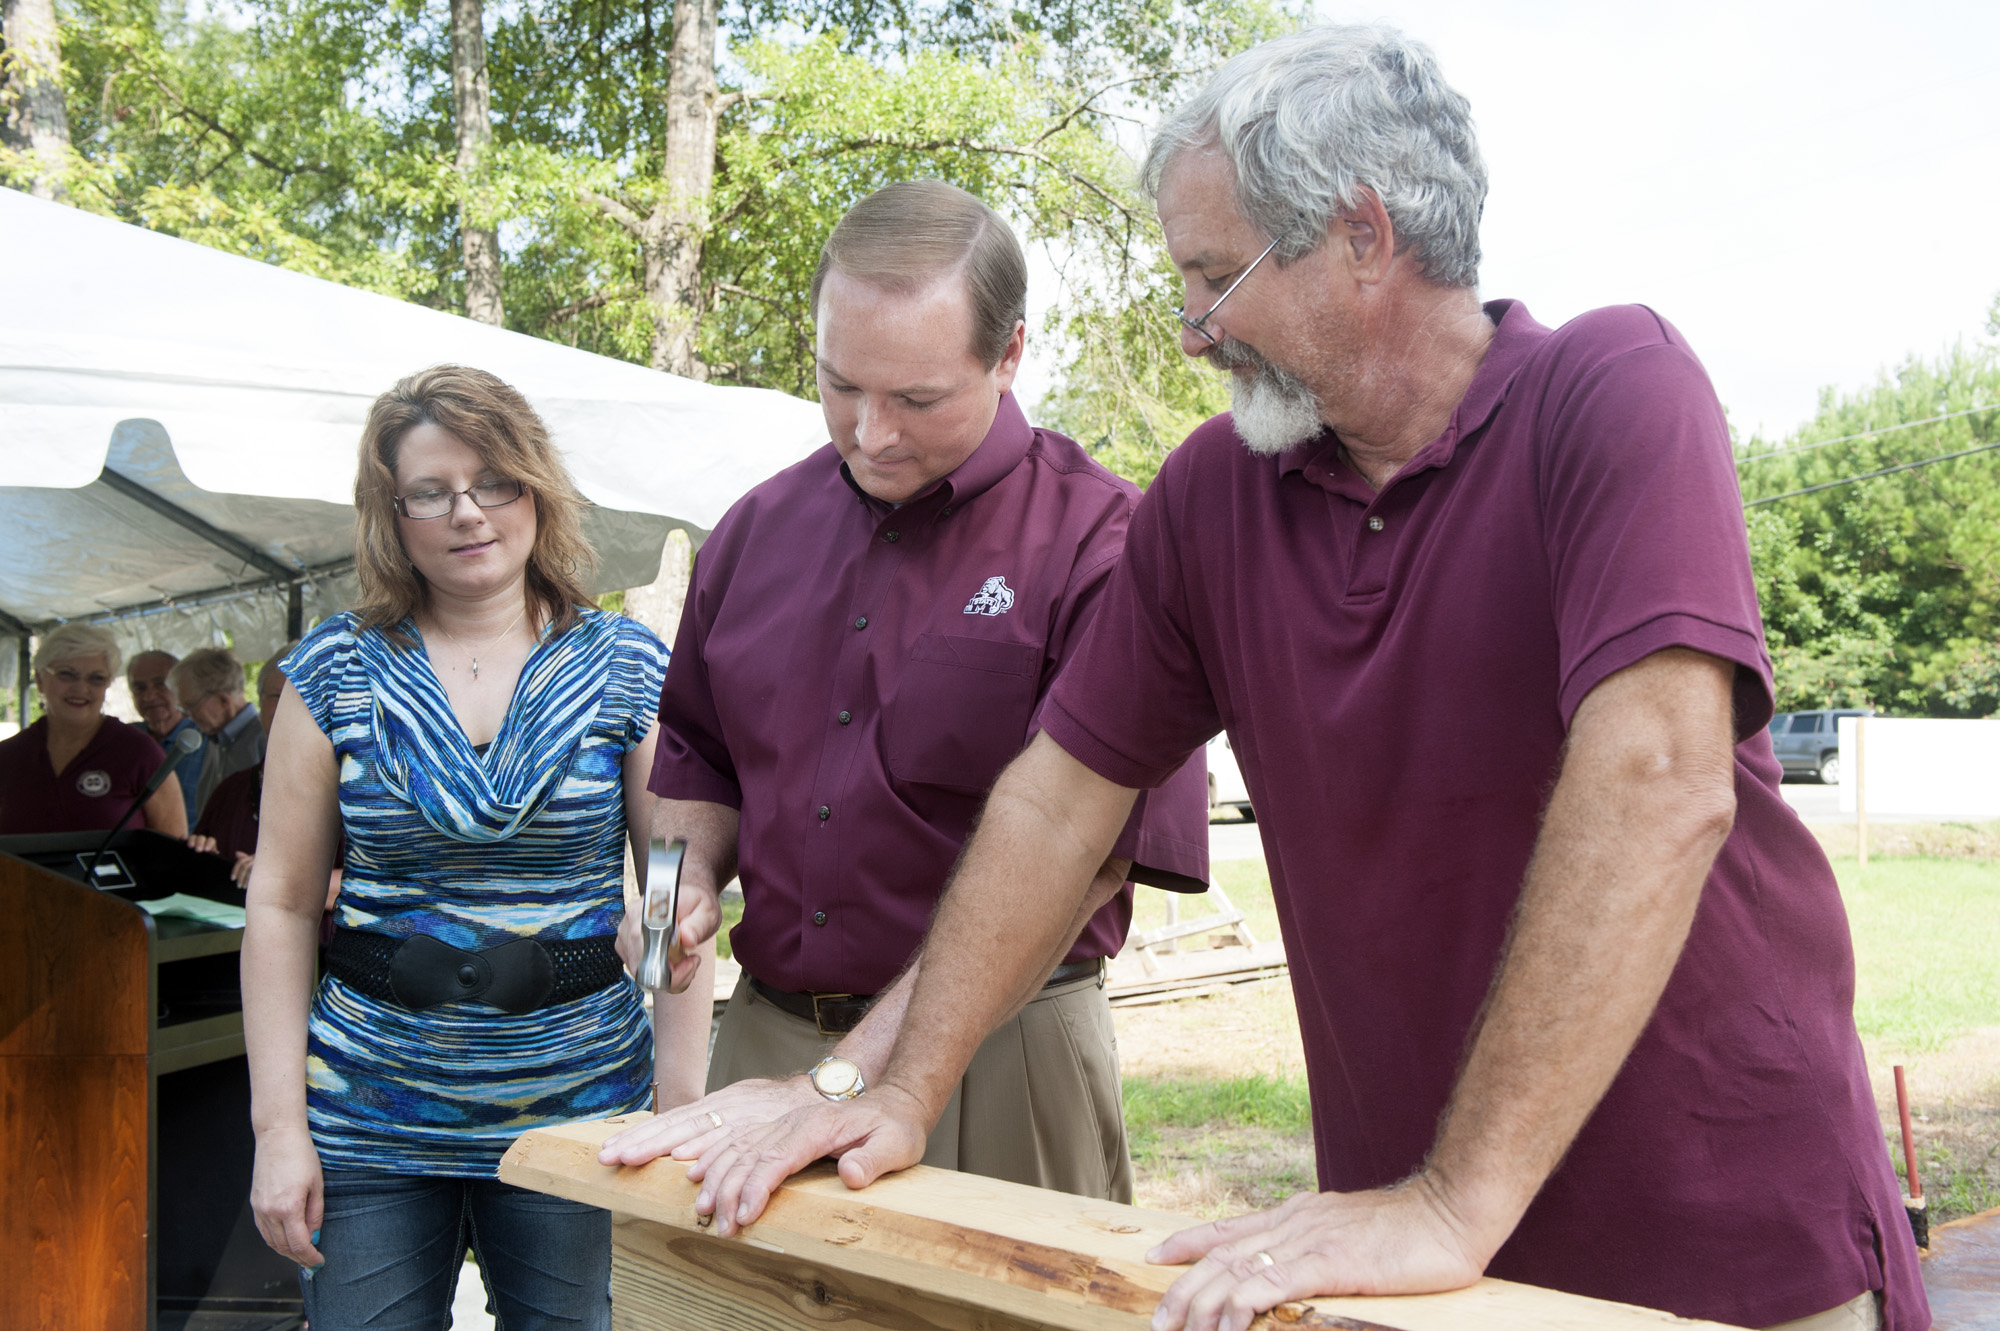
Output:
x=475 y=667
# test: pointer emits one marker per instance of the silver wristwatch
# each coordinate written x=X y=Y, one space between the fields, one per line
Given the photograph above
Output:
x=837 y=1078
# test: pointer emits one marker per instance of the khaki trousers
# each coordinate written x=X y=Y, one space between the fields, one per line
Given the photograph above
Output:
x=1861 y=1313
x=1040 y=1103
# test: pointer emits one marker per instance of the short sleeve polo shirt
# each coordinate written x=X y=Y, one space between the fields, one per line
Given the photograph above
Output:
x=853 y=676
x=1397 y=671
x=87 y=795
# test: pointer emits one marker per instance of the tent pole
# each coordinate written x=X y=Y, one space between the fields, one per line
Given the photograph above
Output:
x=21 y=680
x=295 y=613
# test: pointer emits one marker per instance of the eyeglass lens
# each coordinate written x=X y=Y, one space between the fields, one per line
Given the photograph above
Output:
x=437 y=503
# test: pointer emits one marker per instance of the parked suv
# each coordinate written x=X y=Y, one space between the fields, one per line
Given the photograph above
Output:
x=1808 y=743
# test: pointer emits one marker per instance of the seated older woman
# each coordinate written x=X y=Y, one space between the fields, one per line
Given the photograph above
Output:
x=76 y=769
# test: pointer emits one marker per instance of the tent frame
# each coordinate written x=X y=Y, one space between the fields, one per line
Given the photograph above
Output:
x=275 y=575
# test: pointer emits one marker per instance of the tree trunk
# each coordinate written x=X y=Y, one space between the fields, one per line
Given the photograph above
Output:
x=673 y=234
x=471 y=94
x=33 y=120
x=658 y=604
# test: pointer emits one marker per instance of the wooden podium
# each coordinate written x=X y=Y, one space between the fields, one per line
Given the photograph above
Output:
x=933 y=1250
x=125 y=1143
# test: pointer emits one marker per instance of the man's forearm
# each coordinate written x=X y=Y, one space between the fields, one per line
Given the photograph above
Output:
x=871 y=1043
x=710 y=830
x=1642 y=806
x=1006 y=914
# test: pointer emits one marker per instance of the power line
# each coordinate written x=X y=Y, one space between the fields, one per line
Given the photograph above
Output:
x=1865 y=434
x=1869 y=476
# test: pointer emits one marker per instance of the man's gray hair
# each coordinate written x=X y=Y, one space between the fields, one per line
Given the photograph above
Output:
x=210 y=670
x=1310 y=119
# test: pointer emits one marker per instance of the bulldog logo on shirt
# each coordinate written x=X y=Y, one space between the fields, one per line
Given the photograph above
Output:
x=94 y=783
x=994 y=597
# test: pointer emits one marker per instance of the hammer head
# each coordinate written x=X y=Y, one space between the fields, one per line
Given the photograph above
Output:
x=660 y=910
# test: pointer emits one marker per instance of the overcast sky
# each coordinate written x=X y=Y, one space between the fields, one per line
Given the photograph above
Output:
x=1810 y=192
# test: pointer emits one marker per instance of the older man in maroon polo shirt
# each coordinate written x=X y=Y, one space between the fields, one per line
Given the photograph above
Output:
x=868 y=640
x=1473 y=600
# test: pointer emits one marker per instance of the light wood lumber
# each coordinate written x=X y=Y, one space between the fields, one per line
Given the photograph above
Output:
x=930 y=1248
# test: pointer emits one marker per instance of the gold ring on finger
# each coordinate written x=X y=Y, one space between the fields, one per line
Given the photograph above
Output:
x=1264 y=1258
x=714 y=1118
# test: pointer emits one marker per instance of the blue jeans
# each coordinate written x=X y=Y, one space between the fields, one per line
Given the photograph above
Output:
x=394 y=1244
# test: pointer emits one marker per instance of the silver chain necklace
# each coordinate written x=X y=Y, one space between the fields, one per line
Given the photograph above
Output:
x=488 y=647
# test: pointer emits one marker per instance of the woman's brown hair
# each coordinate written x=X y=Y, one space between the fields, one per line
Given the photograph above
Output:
x=497 y=423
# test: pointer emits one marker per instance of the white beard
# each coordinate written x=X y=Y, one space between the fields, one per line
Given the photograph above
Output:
x=1273 y=410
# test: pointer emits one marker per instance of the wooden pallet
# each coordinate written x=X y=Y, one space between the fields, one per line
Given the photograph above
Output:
x=1132 y=983
x=934 y=1250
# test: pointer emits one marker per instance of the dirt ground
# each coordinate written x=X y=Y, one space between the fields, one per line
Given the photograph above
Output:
x=1223 y=1169
x=1955 y=1095
x=1955 y=1118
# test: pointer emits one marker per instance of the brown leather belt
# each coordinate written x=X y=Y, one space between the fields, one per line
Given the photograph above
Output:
x=837 y=1014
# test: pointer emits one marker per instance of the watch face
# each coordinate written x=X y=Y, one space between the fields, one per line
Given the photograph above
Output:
x=836 y=1077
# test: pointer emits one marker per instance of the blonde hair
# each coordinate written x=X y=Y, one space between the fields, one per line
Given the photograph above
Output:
x=67 y=642
x=905 y=236
x=496 y=422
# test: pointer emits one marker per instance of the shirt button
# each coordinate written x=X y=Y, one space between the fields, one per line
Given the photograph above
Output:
x=825 y=813
x=1375 y=524
x=819 y=917
x=892 y=536
x=845 y=717
x=862 y=622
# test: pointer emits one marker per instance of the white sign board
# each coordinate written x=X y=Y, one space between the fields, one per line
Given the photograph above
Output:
x=1938 y=769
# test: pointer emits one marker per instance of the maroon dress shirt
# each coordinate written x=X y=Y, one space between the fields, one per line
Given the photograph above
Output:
x=230 y=816
x=852 y=677
x=86 y=796
x=1397 y=672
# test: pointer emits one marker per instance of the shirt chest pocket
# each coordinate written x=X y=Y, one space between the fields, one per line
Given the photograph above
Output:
x=961 y=710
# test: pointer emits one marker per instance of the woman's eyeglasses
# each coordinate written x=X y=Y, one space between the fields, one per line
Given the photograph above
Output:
x=436 y=503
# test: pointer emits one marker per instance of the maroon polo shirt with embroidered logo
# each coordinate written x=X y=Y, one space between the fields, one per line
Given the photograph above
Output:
x=852 y=677
x=1397 y=672
x=86 y=796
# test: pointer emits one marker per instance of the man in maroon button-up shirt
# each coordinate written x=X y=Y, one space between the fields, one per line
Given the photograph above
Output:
x=1473 y=599
x=867 y=641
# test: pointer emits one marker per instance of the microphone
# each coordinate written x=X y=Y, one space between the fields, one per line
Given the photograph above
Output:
x=184 y=744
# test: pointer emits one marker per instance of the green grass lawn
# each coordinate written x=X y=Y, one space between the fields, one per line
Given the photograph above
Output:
x=1926 y=947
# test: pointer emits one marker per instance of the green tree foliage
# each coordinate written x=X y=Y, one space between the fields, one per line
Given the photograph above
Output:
x=1886 y=592
x=317 y=134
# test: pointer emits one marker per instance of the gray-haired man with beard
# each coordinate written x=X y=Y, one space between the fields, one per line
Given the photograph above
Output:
x=1475 y=607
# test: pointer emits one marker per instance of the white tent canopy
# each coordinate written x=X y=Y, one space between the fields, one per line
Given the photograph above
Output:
x=178 y=431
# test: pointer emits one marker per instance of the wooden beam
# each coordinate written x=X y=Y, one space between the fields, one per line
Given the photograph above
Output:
x=930 y=1248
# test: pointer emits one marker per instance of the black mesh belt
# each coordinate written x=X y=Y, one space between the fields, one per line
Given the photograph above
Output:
x=521 y=976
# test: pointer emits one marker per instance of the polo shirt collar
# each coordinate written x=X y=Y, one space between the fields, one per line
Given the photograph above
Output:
x=1515 y=337
x=238 y=724
x=1005 y=445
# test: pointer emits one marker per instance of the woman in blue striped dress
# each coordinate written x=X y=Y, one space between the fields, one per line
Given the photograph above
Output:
x=481 y=737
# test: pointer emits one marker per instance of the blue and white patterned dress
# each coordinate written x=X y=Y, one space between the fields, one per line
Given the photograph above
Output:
x=526 y=841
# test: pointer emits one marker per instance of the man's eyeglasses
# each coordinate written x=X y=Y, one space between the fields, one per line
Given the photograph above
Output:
x=436 y=503
x=1200 y=325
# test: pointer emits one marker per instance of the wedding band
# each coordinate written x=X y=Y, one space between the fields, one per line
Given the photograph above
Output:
x=715 y=1118
x=1265 y=1258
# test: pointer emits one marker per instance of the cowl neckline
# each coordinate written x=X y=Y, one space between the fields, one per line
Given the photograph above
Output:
x=425 y=758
